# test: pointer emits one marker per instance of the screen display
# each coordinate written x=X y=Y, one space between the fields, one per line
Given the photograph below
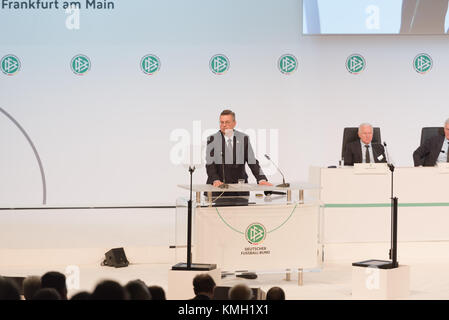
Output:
x=375 y=17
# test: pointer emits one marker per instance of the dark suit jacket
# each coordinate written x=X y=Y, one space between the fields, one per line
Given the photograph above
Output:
x=242 y=154
x=427 y=154
x=353 y=153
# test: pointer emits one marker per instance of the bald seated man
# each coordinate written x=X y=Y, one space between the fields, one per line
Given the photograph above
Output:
x=363 y=150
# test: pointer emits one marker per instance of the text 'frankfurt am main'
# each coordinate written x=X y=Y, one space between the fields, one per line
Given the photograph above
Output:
x=56 y=4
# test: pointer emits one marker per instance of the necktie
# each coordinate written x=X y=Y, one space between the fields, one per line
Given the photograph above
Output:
x=229 y=152
x=368 y=160
x=229 y=144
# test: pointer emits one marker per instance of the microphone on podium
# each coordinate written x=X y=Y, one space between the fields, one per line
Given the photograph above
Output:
x=283 y=184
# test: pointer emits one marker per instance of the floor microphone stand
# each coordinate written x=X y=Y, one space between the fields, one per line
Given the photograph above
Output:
x=189 y=265
x=385 y=264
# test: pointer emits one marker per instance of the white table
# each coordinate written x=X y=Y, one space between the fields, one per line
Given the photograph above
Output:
x=356 y=208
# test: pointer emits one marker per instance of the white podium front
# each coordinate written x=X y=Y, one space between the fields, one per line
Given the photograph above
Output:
x=258 y=236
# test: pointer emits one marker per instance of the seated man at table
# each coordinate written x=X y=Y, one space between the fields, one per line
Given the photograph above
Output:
x=362 y=150
x=227 y=152
x=433 y=150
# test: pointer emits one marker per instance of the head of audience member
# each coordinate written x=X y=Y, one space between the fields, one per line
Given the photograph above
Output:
x=366 y=133
x=8 y=290
x=30 y=286
x=55 y=280
x=83 y=295
x=137 y=290
x=203 y=286
x=275 y=293
x=47 y=294
x=109 y=290
x=240 y=292
x=157 y=293
x=446 y=129
x=227 y=122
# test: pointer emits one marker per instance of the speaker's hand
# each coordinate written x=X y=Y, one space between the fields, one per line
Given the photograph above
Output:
x=217 y=183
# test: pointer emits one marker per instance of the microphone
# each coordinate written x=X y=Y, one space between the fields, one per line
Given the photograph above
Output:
x=386 y=152
x=283 y=184
x=389 y=163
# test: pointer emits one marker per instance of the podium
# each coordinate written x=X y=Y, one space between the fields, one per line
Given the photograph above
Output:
x=275 y=232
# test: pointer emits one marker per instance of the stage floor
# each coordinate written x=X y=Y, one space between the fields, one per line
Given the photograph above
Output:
x=333 y=282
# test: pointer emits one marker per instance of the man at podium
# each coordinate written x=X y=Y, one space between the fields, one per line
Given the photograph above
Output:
x=227 y=152
x=362 y=150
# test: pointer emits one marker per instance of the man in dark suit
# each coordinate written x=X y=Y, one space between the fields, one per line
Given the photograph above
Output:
x=362 y=150
x=227 y=152
x=433 y=150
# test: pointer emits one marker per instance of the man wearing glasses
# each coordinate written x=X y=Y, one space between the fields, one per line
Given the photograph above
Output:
x=227 y=152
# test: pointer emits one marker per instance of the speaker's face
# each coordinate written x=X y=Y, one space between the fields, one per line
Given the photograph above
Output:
x=227 y=124
x=366 y=134
x=446 y=130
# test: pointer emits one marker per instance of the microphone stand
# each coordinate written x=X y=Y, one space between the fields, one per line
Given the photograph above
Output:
x=382 y=264
x=394 y=216
x=283 y=184
x=224 y=185
x=189 y=221
x=189 y=265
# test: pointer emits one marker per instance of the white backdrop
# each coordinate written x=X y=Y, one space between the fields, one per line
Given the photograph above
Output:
x=109 y=137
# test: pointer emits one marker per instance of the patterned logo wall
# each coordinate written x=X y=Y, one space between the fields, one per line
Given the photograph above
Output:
x=10 y=64
x=287 y=63
x=80 y=64
x=355 y=63
x=255 y=233
x=150 y=64
x=219 y=64
x=422 y=63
